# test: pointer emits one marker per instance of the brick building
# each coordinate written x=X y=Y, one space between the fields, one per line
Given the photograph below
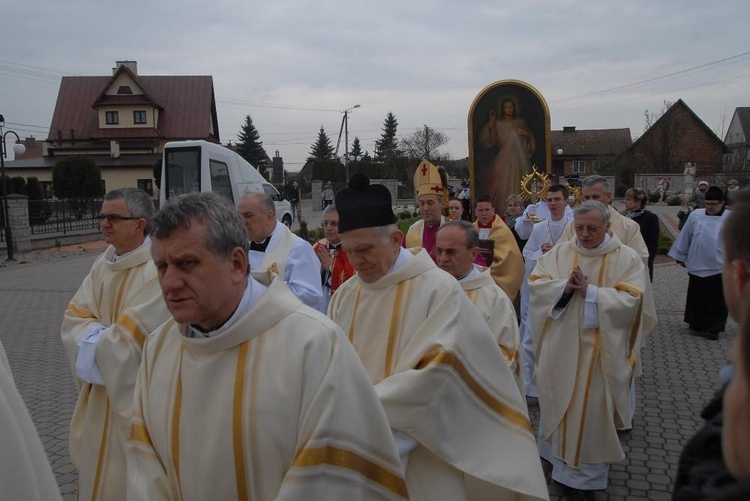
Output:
x=585 y=152
x=678 y=137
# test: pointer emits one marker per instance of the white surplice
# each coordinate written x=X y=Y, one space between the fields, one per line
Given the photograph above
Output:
x=295 y=261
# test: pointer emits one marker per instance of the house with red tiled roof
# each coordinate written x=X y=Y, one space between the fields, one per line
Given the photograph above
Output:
x=122 y=122
x=587 y=151
x=737 y=141
x=677 y=138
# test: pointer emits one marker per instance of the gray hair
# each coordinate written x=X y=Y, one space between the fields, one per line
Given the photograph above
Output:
x=592 y=206
x=472 y=235
x=138 y=202
x=596 y=179
x=225 y=230
x=265 y=200
x=514 y=198
x=330 y=209
x=386 y=231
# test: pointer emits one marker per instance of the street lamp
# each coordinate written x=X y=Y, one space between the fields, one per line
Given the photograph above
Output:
x=18 y=149
x=346 y=141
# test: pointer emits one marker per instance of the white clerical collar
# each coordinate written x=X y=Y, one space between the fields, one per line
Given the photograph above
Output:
x=403 y=257
x=250 y=297
x=607 y=238
x=472 y=274
x=116 y=257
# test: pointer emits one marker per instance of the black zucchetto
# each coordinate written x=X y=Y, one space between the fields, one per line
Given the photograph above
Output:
x=364 y=205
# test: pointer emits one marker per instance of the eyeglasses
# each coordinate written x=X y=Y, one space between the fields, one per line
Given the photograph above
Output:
x=113 y=218
x=589 y=229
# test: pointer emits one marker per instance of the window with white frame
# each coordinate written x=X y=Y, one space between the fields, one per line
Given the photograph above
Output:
x=579 y=167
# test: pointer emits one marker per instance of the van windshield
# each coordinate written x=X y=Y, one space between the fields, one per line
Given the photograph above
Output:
x=182 y=170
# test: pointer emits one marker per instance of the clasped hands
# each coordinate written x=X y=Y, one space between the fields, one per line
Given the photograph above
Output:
x=577 y=282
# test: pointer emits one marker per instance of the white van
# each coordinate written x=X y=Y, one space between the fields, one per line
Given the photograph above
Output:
x=189 y=166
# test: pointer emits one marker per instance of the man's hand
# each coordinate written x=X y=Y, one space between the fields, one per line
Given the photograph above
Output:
x=578 y=282
x=326 y=260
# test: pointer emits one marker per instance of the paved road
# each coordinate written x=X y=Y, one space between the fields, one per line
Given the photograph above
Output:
x=679 y=375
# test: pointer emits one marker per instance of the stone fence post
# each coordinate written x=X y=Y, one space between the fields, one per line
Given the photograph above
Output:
x=18 y=212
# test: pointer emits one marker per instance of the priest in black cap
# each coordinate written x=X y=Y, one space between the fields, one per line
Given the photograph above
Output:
x=699 y=249
x=459 y=420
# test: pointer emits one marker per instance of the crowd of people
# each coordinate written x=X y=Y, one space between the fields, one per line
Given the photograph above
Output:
x=218 y=355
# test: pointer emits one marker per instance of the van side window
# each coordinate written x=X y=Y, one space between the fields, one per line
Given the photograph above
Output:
x=220 y=179
x=271 y=191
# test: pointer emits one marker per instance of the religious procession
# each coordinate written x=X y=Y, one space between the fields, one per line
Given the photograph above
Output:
x=217 y=355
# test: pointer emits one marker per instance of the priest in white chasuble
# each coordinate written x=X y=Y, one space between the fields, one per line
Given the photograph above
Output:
x=103 y=331
x=456 y=247
x=590 y=306
x=25 y=472
x=460 y=423
x=247 y=393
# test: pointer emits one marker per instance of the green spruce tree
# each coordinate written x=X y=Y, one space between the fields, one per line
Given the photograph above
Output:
x=385 y=147
x=322 y=149
x=249 y=145
x=356 y=152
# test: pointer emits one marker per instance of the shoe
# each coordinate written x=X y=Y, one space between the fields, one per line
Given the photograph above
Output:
x=579 y=495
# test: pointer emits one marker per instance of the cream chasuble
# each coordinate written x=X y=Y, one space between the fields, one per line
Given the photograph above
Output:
x=507 y=264
x=442 y=379
x=277 y=407
x=125 y=297
x=500 y=315
x=584 y=375
x=25 y=473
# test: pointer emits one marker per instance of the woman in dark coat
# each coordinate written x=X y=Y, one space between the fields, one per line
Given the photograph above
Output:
x=635 y=209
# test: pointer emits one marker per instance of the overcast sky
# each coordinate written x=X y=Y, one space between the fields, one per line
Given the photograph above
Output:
x=294 y=65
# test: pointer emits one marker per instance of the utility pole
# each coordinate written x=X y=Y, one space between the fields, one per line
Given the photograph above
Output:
x=346 y=146
x=345 y=128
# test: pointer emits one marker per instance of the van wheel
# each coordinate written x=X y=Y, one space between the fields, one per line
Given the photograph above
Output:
x=287 y=221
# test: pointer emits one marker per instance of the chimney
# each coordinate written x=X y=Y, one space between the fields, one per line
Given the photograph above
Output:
x=114 y=149
x=131 y=65
x=72 y=136
x=30 y=142
x=569 y=128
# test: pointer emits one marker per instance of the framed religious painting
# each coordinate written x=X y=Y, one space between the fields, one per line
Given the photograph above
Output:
x=509 y=133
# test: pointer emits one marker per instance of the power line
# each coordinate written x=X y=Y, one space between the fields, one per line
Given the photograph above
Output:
x=653 y=79
x=654 y=95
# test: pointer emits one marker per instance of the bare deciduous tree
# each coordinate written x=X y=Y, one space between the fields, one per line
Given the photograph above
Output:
x=424 y=143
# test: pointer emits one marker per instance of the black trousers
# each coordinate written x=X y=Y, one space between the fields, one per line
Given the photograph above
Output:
x=705 y=309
